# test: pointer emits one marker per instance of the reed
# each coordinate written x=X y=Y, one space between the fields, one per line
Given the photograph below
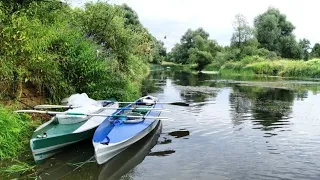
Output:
x=281 y=67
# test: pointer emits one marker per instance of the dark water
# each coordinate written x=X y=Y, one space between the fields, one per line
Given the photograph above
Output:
x=257 y=128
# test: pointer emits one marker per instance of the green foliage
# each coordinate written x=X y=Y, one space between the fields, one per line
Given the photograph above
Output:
x=18 y=168
x=316 y=50
x=304 y=46
x=102 y=50
x=159 y=52
x=195 y=47
x=263 y=66
x=14 y=128
x=287 y=68
x=242 y=31
x=266 y=53
x=130 y=15
x=201 y=58
x=275 y=33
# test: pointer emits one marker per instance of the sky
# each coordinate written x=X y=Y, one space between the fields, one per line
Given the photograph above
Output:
x=172 y=18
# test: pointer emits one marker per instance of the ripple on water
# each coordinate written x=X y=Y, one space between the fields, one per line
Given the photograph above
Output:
x=246 y=132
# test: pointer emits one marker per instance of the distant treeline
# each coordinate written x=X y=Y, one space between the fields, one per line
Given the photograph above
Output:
x=101 y=49
x=271 y=38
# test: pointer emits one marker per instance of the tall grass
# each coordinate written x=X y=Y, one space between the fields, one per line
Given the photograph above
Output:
x=280 y=67
x=15 y=131
x=287 y=68
x=18 y=167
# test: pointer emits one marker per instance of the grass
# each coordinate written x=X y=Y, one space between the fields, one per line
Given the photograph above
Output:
x=17 y=170
x=168 y=63
x=15 y=130
x=287 y=68
x=18 y=167
x=258 y=66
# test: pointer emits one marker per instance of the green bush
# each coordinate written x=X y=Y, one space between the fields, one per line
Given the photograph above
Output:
x=212 y=67
x=265 y=67
x=101 y=50
x=236 y=66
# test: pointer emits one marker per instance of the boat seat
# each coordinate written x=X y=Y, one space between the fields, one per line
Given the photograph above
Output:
x=133 y=114
x=143 y=111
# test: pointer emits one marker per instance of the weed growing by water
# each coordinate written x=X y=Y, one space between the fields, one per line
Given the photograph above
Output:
x=249 y=66
x=14 y=128
x=18 y=168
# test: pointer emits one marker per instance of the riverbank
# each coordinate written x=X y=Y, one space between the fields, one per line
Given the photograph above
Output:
x=255 y=65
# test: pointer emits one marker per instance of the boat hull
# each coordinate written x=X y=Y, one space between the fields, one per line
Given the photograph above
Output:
x=131 y=157
x=52 y=137
x=47 y=147
x=104 y=153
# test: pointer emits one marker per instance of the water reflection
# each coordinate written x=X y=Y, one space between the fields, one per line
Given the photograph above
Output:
x=251 y=130
x=269 y=107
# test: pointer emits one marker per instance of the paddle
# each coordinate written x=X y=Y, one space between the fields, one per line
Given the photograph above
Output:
x=48 y=106
x=171 y=103
x=178 y=103
x=84 y=114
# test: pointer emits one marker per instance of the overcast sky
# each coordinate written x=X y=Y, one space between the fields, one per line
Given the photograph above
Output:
x=172 y=18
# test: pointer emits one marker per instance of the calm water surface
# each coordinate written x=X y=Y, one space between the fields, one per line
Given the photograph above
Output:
x=237 y=128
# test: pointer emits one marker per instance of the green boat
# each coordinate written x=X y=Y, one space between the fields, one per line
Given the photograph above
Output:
x=64 y=130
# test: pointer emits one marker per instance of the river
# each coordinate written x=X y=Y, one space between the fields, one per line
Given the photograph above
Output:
x=235 y=128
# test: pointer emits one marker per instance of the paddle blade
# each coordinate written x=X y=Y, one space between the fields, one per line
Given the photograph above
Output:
x=179 y=103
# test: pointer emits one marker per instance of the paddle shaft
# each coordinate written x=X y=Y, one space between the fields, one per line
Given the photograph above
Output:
x=61 y=106
x=84 y=114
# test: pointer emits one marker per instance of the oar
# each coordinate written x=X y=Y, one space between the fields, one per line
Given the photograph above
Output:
x=47 y=106
x=178 y=103
x=84 y=114
x=172 y=103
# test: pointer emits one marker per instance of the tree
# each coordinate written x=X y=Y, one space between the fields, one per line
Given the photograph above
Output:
x=159 y=52
x=201 y=58
x=316 y=50
x=242 y=33
x=192 y=39
x=195 y=47
x=15 y=5
x=275 y=33
x=304 y=46
x=187 y=42
x=130 y=15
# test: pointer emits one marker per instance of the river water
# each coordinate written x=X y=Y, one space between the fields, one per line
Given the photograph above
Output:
x=235 y=128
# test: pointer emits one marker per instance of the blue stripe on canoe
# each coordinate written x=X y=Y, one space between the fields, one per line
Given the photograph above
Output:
x=122 y=132
x=104 y=128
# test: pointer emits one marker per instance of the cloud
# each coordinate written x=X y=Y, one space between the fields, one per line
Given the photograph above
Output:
x=174 y=17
